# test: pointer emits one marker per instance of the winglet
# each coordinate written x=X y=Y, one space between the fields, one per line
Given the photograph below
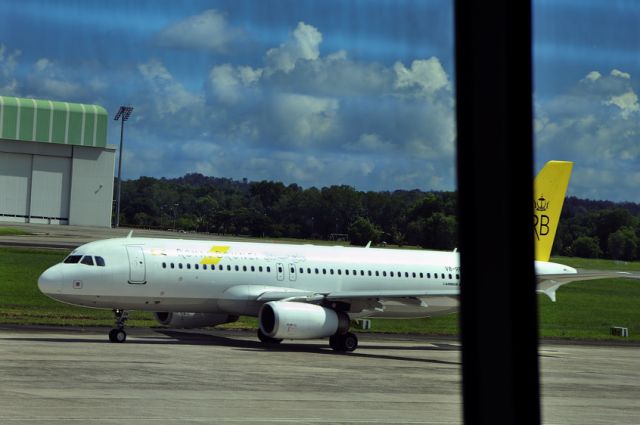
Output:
x=550 y=188
x=368 y=245
x=550 y=292
x=130 y=234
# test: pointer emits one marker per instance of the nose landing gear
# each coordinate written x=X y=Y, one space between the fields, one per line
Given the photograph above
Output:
x=118 y=334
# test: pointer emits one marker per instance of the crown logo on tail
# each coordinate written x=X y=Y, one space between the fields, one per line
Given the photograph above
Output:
x=541 y=204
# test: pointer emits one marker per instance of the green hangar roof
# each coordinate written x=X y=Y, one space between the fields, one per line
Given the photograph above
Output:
x=34 y=120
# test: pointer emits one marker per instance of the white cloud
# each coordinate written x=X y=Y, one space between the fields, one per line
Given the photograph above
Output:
x=52 y=80
x=627 y=102
x=227 y=82
x=42 y=64
x=594 y=124
x=370 y=143
x=427 y=76
x=208 y=30
x=304 y=43
x=8 y=62
x=304 y=119
x=593 y=76
x=168 y=96
x=307 y=118
x=620 y=74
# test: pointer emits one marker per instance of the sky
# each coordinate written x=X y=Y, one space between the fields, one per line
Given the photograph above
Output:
x=323 y=92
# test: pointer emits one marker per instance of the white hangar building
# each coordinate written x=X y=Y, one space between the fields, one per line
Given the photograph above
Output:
x=55 y=165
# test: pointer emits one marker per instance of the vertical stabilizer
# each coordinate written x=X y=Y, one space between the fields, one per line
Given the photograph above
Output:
x=550 y=188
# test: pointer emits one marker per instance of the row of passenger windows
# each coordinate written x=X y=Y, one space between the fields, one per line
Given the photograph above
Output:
x=309 y=270
x=348 y=272
x=213 y=267
x=86 y=260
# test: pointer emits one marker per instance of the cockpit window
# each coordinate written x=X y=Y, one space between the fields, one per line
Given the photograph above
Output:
x=73 y=259
x=99 y=261
x=88 y=260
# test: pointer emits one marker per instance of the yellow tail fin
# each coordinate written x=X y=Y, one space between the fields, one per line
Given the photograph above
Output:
x=550 y=188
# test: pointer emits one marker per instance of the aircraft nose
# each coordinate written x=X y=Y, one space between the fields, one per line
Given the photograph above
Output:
x=50 y=282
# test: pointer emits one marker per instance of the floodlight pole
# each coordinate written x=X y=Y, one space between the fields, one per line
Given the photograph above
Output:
x=123 y=114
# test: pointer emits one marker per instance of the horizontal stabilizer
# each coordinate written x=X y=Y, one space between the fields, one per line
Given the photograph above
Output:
x=549 y=284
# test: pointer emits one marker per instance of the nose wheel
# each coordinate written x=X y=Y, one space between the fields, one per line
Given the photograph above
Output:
x=118 y=334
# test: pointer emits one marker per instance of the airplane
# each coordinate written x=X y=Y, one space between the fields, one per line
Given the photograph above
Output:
x=296 y=291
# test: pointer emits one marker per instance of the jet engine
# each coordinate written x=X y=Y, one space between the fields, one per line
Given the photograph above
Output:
x=192 y=320
x=294 y=320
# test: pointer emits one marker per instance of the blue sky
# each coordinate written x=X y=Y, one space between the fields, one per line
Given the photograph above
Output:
x=323 y=92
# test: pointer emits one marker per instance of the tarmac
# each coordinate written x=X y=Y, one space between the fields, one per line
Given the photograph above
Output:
x=71 y=375
x=69 y=237
x=58 y=375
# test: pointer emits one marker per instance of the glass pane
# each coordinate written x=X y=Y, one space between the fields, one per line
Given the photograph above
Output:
x=73 y=259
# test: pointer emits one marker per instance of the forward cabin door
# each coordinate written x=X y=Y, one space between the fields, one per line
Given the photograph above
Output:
x=137 y=267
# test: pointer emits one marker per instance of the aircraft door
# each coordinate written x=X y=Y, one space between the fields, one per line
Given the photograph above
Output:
x=137 y=267
x=292 y=272
x=280 y=270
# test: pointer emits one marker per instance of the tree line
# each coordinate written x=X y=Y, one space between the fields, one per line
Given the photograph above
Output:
x=271 y=209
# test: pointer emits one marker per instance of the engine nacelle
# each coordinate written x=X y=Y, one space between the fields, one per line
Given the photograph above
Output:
x=192 y=320
x=294 y=320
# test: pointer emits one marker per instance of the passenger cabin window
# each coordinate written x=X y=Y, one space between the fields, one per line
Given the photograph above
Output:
x=73 y=259
x=88 y=260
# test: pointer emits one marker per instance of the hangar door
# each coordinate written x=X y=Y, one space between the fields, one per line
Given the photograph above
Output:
x=15 y=175
x=50 y=187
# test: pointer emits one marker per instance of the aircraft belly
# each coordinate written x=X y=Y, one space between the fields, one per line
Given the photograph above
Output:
x=431 y=306
x=169 y=304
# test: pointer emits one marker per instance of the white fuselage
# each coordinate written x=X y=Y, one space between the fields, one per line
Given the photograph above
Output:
x=170 y=275
x=215 y=276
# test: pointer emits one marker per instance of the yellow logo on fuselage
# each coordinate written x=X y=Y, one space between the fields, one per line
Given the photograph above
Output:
x=218 y=252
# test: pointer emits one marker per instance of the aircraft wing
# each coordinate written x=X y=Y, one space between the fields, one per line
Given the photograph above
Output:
x=359 y=300
x=548 y=284
x=277 y=294
x=266 y=294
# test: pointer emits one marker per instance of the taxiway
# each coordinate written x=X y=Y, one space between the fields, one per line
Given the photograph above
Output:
x=64 y=375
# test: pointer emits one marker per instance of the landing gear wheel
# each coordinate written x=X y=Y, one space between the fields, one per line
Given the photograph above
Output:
x=267 y=339
x=345 y=343
x=117 y=335
x=350 y=342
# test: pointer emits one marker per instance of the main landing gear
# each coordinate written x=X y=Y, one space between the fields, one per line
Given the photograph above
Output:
x=118 y=334
x=346 y=342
